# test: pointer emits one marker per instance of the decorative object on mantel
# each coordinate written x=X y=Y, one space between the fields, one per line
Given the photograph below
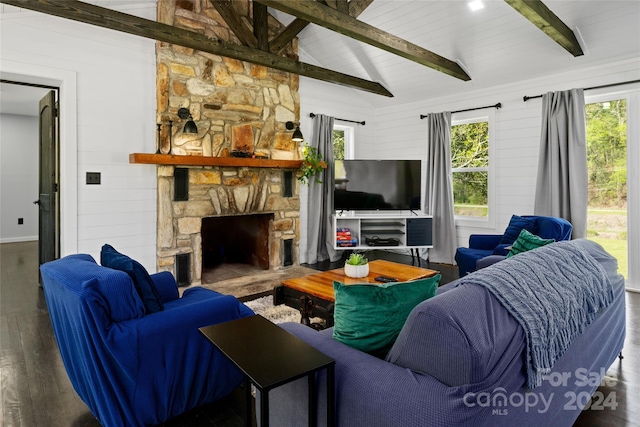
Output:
x=356 y=266
x=312 y=164
x=297 y=134
x=190 y=125
x=241 y=154
x=170 y=136
x=159 y=138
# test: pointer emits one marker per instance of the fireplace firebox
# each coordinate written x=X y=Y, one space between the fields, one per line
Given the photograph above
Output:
x=240 y=239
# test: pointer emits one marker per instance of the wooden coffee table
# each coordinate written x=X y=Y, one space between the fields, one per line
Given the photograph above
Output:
x=313 y=295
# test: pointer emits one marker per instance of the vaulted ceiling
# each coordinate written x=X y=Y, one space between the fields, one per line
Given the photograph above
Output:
x=495 y=45
x=440 y=47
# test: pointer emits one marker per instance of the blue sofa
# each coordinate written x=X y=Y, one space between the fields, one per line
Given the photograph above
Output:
x=133 y=369
x=487 y=249
x=460 y=361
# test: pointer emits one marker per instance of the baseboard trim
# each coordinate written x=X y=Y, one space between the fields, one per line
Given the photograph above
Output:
x=19 y=239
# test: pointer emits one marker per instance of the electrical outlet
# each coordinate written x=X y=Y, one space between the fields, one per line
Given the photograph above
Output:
x=93 y=178
x=20 y=221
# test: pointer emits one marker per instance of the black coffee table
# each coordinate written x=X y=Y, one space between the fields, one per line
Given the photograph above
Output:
x=269 y=357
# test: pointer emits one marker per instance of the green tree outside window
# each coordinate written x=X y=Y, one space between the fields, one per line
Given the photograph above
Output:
x=470 y=168
x=607 y=153
x=338 y=144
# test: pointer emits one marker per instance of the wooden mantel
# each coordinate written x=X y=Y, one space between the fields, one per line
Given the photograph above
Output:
x=170 y=159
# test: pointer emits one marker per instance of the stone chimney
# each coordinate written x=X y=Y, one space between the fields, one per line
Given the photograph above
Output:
x=240 y=109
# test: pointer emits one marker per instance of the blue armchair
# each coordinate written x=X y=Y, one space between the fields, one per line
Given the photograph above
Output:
x=132 y=368
x=487 y=249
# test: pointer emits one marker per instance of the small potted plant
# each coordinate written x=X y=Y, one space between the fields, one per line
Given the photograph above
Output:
x=356 y=266
x=312 y=164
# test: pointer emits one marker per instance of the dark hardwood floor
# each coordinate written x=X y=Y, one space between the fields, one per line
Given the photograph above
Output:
x=35 y=389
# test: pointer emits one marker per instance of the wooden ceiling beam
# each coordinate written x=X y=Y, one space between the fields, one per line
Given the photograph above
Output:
x=333 y=4
x=281 y=40
x=118 y=21
x=342 y=6
x=542 y=17
x=356 y=7
x=261 y=26
x=239 y=28
x=344 y=24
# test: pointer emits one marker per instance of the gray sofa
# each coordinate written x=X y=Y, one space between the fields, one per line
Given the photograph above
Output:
x=459 y=361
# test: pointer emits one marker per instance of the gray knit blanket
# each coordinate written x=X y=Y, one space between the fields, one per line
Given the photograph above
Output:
x=554 y=292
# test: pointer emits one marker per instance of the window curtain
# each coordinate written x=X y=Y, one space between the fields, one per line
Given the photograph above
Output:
x=319 y=245
x=561 y=189
x=439 y=188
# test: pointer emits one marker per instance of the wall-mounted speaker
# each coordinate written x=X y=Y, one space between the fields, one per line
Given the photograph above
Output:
x=287 y=184
x=287 y=252
x=181 y=184
x=183 y=269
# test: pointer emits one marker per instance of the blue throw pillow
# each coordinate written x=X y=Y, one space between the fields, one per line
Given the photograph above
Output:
x=111 y=258
x=516 y=225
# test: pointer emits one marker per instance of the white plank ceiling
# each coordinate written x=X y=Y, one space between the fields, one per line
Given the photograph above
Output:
x=495 y=45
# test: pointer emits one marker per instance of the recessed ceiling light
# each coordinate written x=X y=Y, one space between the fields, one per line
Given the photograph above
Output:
x=476 y=5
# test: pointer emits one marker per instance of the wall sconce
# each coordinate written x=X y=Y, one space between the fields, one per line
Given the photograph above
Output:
x=297 y=135
x=190 y=126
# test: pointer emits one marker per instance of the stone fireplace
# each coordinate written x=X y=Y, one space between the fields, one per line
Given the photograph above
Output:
x=244 y=200
x=240 y=109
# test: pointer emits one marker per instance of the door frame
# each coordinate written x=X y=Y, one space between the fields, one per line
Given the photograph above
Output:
x=66 y=81
x=632 y=96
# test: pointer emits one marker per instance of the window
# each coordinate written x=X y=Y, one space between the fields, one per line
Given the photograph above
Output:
x=607 y=167
x=343 y=142
x=338 y=144
x=470 y=167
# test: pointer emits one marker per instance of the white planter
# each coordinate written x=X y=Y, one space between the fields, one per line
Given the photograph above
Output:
x=356 y=271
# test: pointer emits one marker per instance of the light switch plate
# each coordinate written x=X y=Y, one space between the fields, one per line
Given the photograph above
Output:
x=93 y=178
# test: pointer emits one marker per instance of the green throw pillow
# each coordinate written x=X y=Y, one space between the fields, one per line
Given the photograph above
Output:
x=527 y=241
x=370 y=316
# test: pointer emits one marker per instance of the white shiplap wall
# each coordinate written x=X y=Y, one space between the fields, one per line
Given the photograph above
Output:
x=115 y=75
x=517 y=131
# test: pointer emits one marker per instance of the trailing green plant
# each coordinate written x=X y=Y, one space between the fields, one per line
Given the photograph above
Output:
x=312 y=165
x=357 y=259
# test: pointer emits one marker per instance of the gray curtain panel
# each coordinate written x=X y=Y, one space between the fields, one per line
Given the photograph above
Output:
x=319 y=209
x=561 y=189
x=439 y=188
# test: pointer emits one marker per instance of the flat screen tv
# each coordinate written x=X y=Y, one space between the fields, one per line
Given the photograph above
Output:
x=376 y=185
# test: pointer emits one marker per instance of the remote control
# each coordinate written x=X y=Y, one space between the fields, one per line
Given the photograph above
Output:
x=385 y=279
